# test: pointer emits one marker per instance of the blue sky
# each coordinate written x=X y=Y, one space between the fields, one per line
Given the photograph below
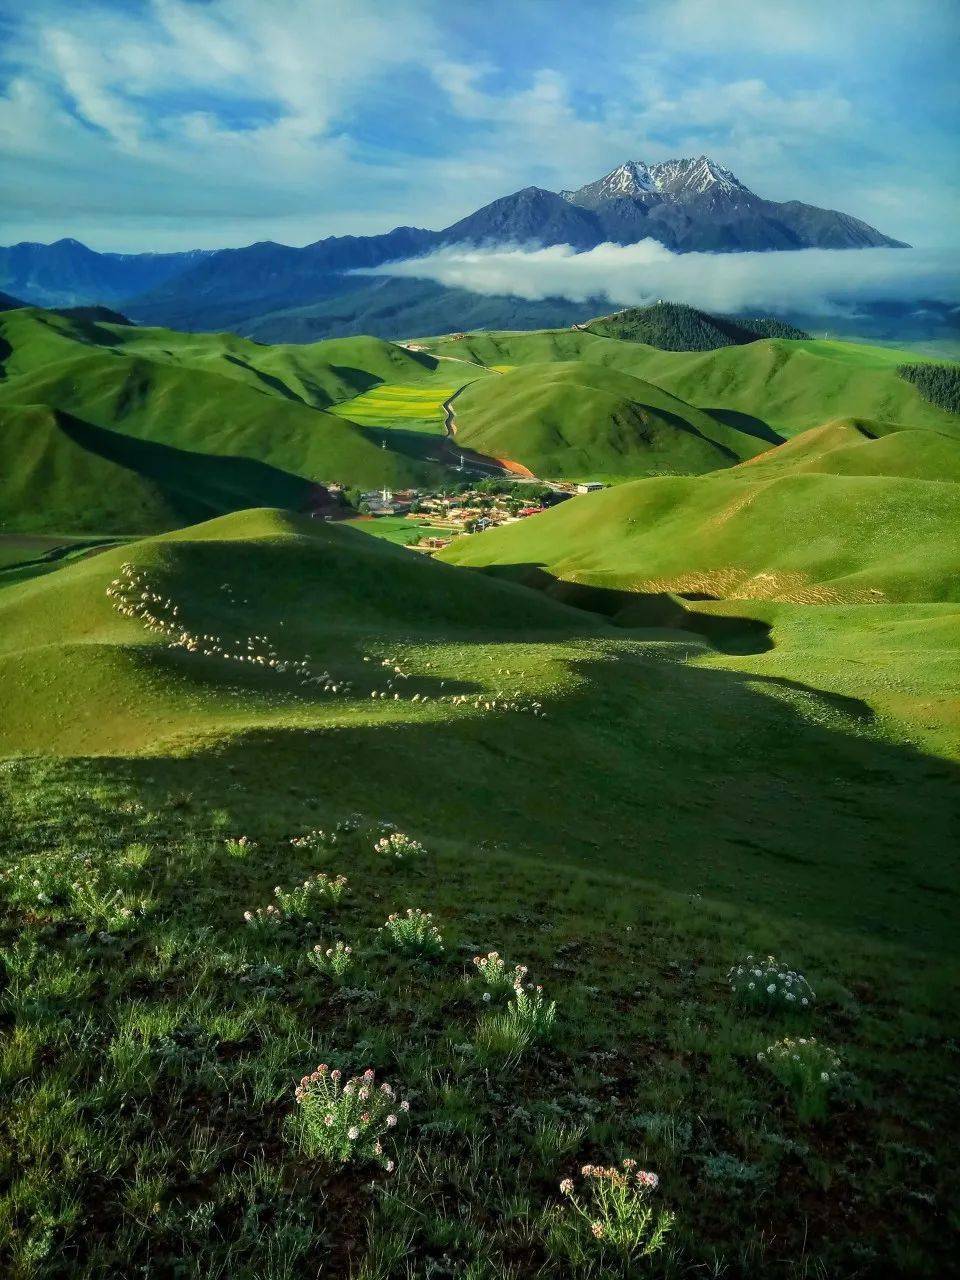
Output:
x=171 y=124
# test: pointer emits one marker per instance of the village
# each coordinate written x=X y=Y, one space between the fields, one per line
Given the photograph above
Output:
x=426 y=521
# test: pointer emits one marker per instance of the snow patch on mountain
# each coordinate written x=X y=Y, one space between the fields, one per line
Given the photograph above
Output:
x=676 y=179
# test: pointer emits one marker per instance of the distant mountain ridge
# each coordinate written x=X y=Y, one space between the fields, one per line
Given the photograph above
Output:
x=688 y=205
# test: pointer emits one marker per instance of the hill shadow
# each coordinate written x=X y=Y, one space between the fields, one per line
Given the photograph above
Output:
x=749 y=425
x=269 y=380
x=727 y=632
x=198 y=485
x=697 y=779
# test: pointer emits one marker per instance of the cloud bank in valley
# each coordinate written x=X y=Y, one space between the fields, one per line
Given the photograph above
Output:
x=807 y=280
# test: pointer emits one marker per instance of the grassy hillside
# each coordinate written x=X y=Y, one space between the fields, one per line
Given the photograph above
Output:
x=627 y=812
x=862 y=448
x=66 y=474
x=198 y=424
x=250 y=424
x=851 y=524
x=779 y=385
x=574 y=419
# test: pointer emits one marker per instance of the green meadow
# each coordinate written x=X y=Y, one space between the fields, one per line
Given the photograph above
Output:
x=634 y=745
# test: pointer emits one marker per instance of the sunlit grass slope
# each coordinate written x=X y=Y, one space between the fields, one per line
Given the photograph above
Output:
x=201 y=423
x=405 y=406
x=76 y=677
x=575 y=419
x=809 y=534
x=786 y=385
x=628 y=812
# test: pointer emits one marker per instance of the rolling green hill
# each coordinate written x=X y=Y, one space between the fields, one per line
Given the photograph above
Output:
x=627 y=811
x=200 y=424
x=775 y=384
x=574 y=419
x=852 y=524
x=249 y=424
x=66 y=474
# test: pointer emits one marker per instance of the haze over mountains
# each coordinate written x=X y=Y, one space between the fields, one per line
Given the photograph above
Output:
x=276 y=292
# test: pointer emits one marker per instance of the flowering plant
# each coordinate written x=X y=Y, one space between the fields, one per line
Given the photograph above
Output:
x=298 y=902
x=530 y=1008
x=805 y=1068
x=528 y=1016
x=313 y=841
x=345 y=1121
x=414 y=933
x=769 y=984
x=493 y=970
x=333 y=961
x=615 y=1204
x=302 y=898
x=398 y=846
x=264 y=919
x=240 y=846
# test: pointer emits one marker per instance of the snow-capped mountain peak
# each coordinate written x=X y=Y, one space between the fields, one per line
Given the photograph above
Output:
x=630 y=179
x=677 y=179
x=694 y=177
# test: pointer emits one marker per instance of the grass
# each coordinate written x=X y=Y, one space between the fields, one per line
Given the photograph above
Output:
x=395 y=405
x=115 y=429
x=149 y=1066
x=575 y=420
x=626 y=797
x=122 y=430
x=829 y=561
x=739 y=538
x=775 y=385
x=397 y=529
x=23 y=557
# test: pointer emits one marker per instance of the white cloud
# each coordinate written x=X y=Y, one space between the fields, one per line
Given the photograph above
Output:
x=633 y=275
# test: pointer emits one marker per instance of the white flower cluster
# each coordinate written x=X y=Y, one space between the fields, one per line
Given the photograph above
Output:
x=334 y=961
x=767 y=982
x=802 y=1065
x=413 y=933
x=398 y=846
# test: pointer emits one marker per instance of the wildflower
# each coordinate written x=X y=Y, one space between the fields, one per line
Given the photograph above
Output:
x=806 y=1069
x=414 y=933
x=769 y=983
x=493 y=969
x=398 y=846
x=346 y=1120
x=615 y=1204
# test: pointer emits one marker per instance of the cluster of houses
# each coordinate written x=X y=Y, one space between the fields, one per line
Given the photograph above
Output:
x=472 y=510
